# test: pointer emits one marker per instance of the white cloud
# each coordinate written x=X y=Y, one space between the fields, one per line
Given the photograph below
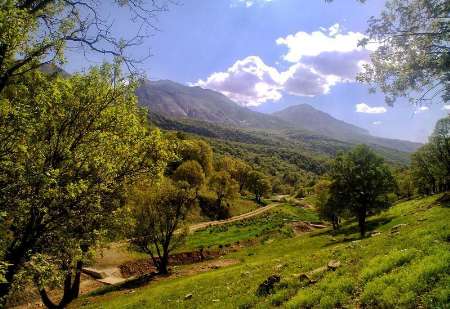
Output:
x=249 y=3
x=376 y=123
x=421 y=109
x=364 y=108
x=304 y=44
x=248 y=81
x=318 y=61
x=446 y=108
x=302 y=80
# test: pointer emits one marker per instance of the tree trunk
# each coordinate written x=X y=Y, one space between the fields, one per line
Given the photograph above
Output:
x=362 y=223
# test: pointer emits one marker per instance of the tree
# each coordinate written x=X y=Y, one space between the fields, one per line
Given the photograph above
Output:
x=258 y=184
x=360 y=184
x=430 y=164
x=36 y=32
x=223 y=185
x=190 y=172
x=158 y=214
x=327 y=210
x=237 y=169
x=413 y=54
x=199 y=151
x=73 y=146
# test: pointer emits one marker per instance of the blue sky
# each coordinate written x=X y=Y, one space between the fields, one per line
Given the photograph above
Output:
x=269 y=54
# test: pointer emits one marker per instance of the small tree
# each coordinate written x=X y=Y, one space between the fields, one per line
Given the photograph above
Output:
x=158 y=214
x=360 y=184
x=223 y=185
x=258 y=184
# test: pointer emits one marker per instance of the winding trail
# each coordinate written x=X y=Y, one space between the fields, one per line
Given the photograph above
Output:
x=256 y=212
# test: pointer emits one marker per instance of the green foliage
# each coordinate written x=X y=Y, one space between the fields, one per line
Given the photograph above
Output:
x=360 y=184
x=158 y=211
x=223 y=185
x=413 y=56
x=200 y=151
x=72 y=146
x=190 y=172
x=258 y=184
x=431 y=163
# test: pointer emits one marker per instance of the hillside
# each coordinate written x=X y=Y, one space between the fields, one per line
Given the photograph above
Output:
x=180 y=102
x=404 y=264
x=306 y=117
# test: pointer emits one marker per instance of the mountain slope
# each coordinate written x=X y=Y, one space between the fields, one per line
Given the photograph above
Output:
x=178 y=101
x=306 y=117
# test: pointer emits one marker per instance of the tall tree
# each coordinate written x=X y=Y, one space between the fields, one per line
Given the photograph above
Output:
x=36 y=32
x=73 y=145
x=192 y=173
x=413 y=57
x=360 y=184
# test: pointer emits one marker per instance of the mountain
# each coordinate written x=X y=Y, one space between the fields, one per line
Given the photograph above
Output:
x=178 y=101
x=306 y=117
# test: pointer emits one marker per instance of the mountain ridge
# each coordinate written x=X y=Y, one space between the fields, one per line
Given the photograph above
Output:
x=173 y=100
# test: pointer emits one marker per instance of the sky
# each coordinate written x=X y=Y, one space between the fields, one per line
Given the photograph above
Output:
x=270 y=54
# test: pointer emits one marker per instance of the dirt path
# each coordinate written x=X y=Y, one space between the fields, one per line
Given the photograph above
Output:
x=247 y=215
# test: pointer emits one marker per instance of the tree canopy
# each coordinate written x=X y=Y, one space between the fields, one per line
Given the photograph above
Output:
x=413 y=57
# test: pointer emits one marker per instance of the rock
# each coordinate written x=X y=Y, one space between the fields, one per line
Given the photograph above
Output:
x=333 y=265
x=395 y=228
x=268 y=285
x=304 y=278
x=279 y=266
x=216 y=300
x=373 y=234
x=187 y=296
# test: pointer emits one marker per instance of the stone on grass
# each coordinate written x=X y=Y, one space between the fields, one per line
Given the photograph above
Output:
x=268 y=285
x=333 y=265
x=188 y=296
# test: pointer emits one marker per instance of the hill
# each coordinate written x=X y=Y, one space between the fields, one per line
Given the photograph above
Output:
x=305 y=116
x=404 y=265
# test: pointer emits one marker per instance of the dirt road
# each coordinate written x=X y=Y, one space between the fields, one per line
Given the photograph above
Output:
x=247 y=215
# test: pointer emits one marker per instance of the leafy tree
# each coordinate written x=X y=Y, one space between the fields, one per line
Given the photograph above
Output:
x=258 y=184
x=326 y=209
x=158 y=214
x=237 y=169
x=36 y=32
x=200 y=151
x=190 y=172
x=73 y=145
x=360 y=184
x=430 y=164
x=223 y=185
x=414 y=54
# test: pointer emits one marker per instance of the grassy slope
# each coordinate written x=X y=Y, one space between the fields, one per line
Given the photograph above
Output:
x=407 y=269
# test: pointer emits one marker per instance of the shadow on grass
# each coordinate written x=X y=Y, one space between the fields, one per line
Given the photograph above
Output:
x=351 y=228
x=127 y=285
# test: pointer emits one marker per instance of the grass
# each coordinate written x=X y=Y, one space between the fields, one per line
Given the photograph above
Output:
x=405 y=266
x=272 y=224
